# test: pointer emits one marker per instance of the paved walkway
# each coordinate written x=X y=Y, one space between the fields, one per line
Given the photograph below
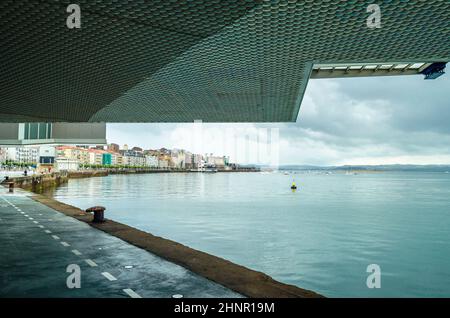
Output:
x=37 y=244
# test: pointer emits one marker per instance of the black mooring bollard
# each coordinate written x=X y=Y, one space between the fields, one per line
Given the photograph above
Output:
x=99 y=213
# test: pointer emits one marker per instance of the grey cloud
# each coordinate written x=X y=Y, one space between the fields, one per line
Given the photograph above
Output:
x=342 y=119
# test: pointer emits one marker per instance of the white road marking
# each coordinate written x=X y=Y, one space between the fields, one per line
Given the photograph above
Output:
x=35 y=222
x=22 y=212
x=65 y=244
x=110 y=277
x=47 y=231
x=132 y=293
x=55 y=237
x=41 y=226
x=30 y=219
x=26 y=215
x=76 y=252
x=90 y=262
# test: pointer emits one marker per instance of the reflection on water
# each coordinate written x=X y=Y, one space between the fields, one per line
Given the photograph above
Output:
x=321 y=236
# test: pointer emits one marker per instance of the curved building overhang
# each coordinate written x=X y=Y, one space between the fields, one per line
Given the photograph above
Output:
x=209 y=60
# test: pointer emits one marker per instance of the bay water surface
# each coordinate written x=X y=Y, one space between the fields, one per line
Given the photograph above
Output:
x=321 y=237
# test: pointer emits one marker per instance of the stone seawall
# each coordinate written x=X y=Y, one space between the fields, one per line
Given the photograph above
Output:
x=86 y=174
x=106 y=172
x=38 y=183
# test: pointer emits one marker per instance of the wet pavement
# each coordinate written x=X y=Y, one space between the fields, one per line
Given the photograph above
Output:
x=37 y=244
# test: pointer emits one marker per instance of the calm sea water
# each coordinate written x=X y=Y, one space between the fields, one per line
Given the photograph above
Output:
x=321 y=237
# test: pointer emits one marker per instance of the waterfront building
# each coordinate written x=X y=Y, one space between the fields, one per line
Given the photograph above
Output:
x=163 y=163
x=197 y=161
x=188 y=160
x=151 y=152
x=66 y=164
x=151 y=161
x=113 y=148
x=96 y=156
x=2 y=155
x=162 y=159
x=22 y=154
x=115 y=161
x=178 y=158
x=74 y=153
x=118 y=159
x=106 y=159
x=126 y=160
x=66 y=152
x=133 y=158
x=47 y=155
x=218 y=161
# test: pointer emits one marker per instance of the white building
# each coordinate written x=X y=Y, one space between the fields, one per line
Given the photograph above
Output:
x=215 y=161
x=3 y=154
x=67 y=164
x=96 y=156
x=22 y=154
x=197 y=161
x=133 y=158
x=47 y=155
x=163 y=164
x=116 y=158
x=151 y=161
x=178 y=158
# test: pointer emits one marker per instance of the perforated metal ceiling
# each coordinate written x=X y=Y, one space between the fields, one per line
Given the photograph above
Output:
x=179 y=61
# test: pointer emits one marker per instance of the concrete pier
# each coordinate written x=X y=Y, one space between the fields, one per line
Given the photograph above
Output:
x=39 y=243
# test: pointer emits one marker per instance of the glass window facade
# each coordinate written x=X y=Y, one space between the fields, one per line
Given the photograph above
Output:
x=38 y=131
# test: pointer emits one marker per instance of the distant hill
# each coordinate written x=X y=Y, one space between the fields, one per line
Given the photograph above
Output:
x=397 y=167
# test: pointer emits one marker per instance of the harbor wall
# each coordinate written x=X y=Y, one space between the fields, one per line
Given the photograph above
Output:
x=106 y=172
x=41 y=182
x=38 y=183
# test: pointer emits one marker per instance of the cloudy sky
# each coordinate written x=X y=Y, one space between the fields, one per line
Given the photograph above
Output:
x=383 y=120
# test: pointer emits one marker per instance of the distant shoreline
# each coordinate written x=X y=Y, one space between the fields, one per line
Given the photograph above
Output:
x=369 y=168
x=106 y=172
